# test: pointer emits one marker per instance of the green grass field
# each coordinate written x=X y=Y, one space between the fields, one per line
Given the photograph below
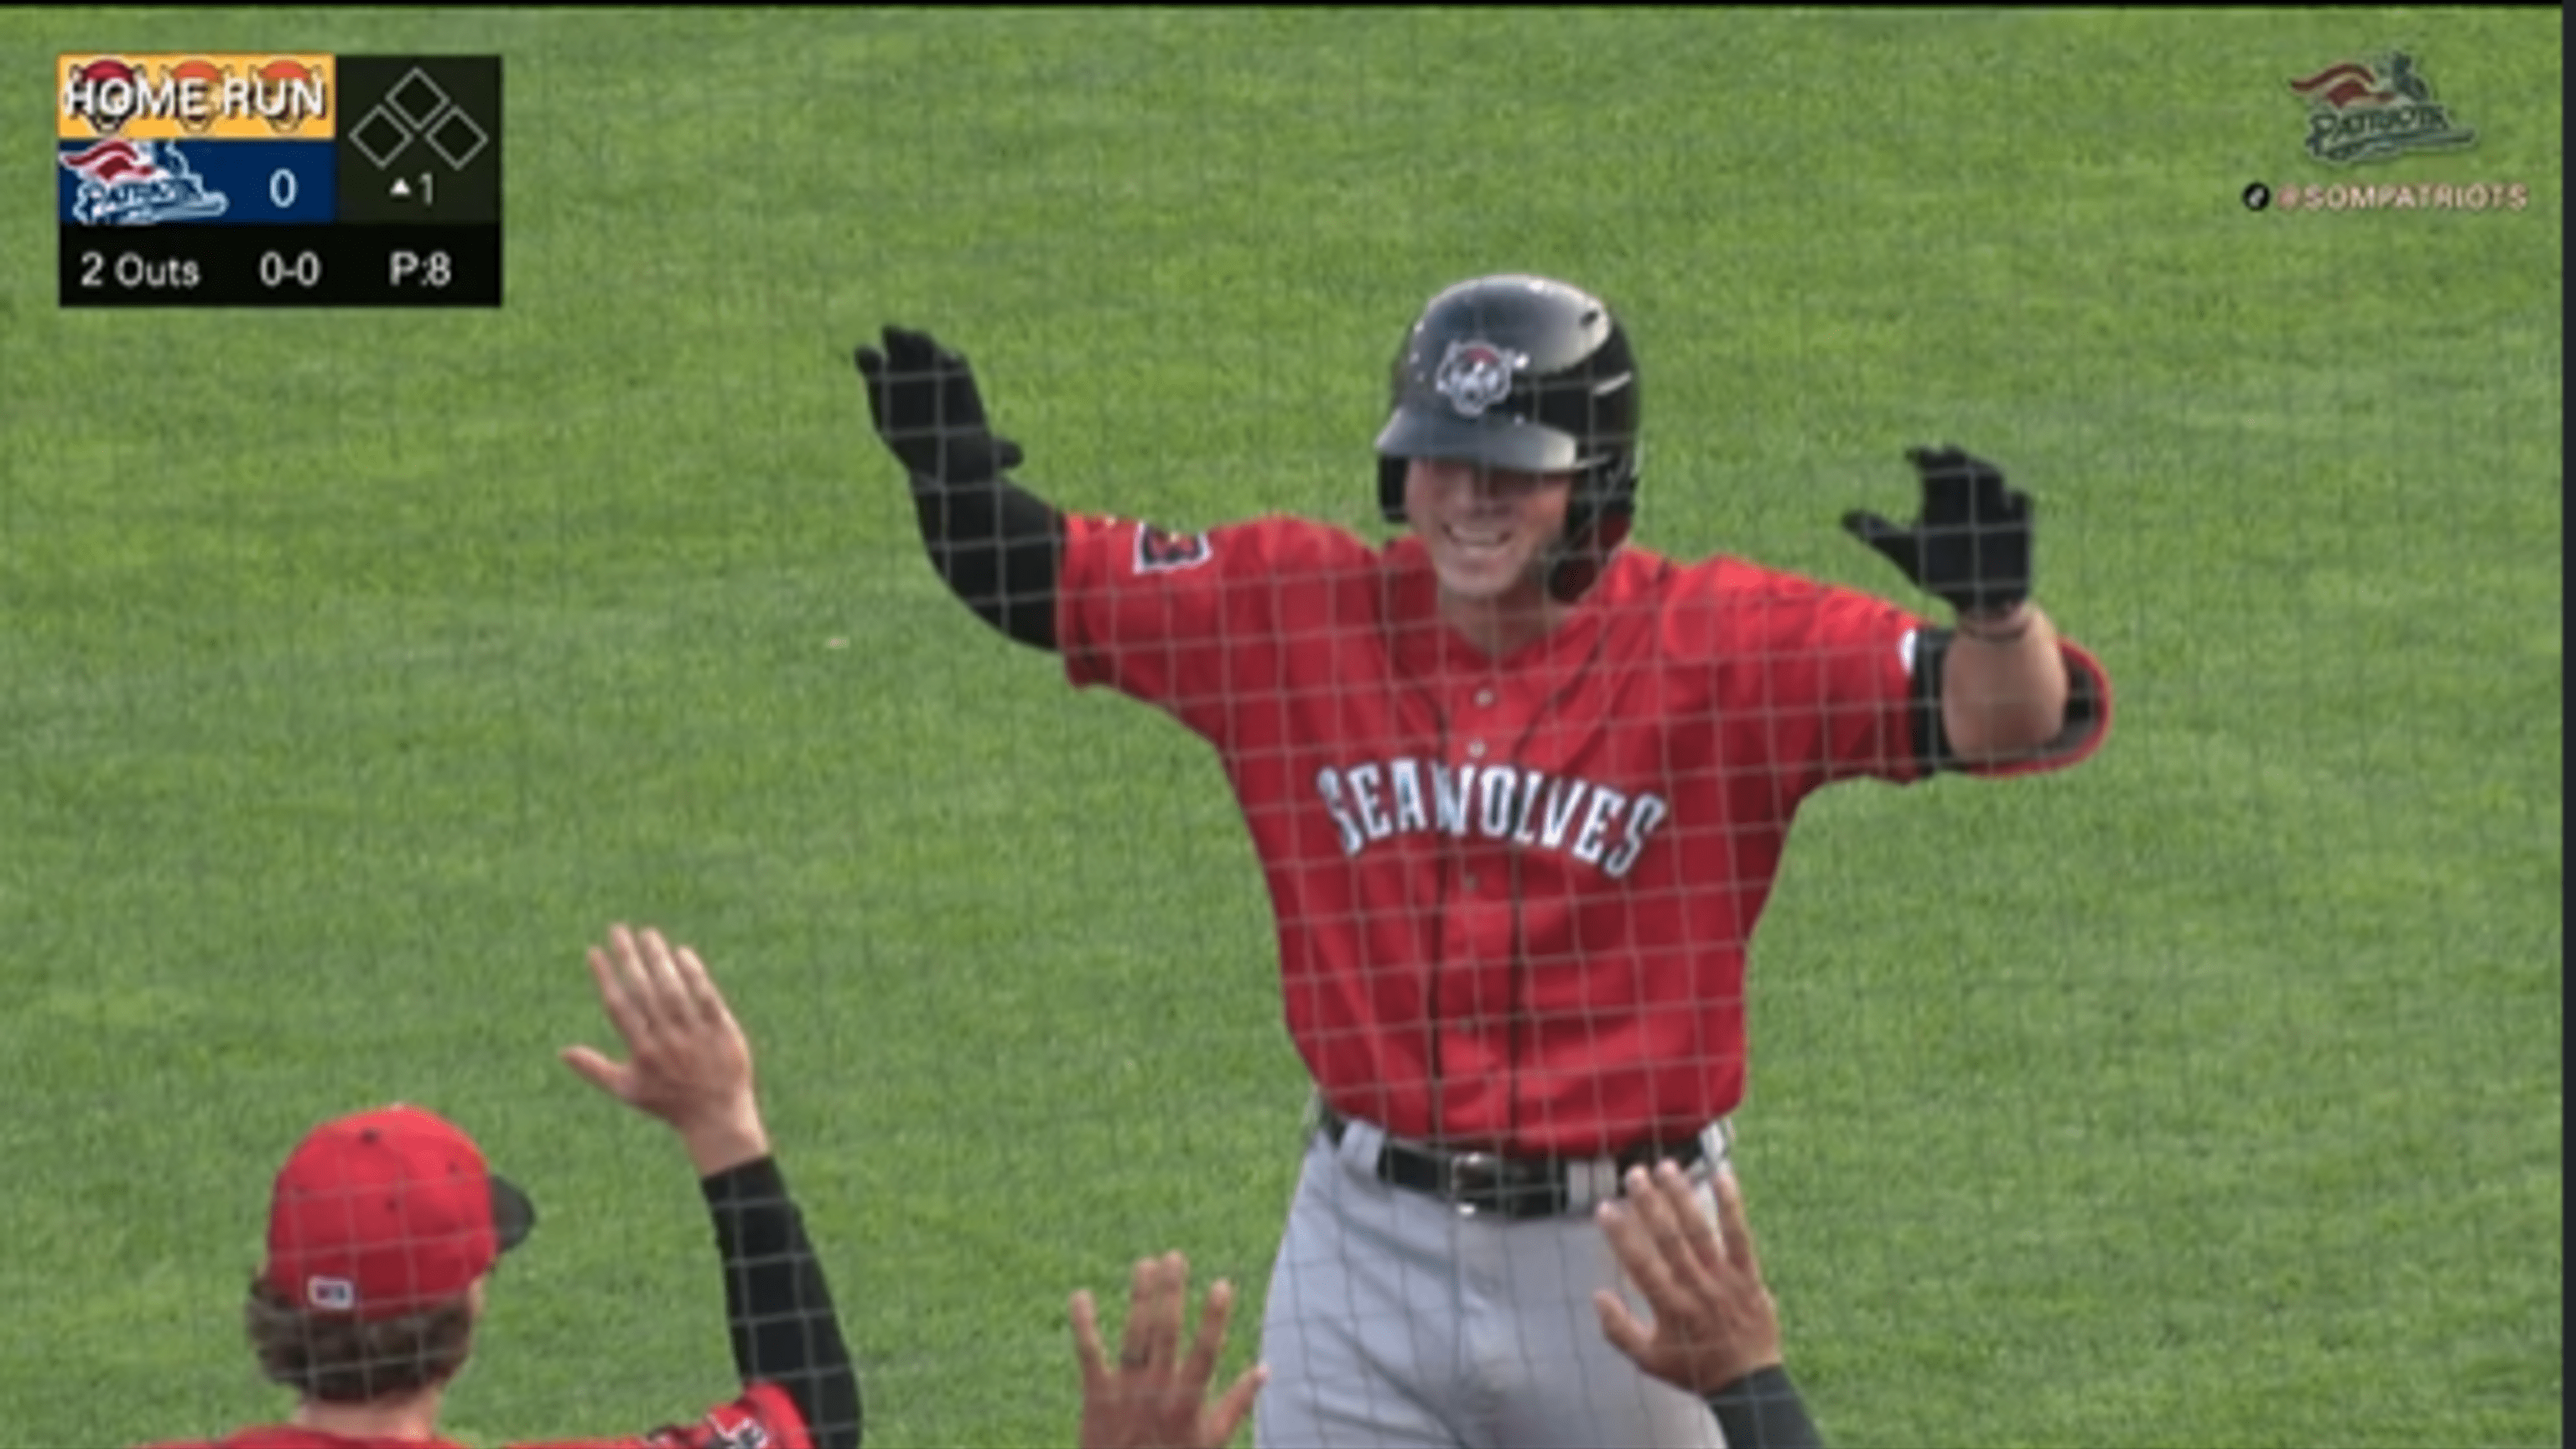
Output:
x=360 y=668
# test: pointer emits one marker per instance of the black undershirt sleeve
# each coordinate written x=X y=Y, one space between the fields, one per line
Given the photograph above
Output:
x=785 y=1331
x=1763 y=1410
x=1000 y=548
x=1931 y=738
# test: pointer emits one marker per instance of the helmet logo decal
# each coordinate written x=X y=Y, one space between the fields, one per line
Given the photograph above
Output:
x=1476 y=375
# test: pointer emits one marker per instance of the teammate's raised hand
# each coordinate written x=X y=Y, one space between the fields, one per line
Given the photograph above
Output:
x=1972 y=545
x=923 y=399
x=688 y=1062
x=1153 y=1398
x=1714 y=1320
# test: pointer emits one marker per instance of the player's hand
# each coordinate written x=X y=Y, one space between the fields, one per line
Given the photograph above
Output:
x=922 y=397
x=1153 y=1398
x=688 y=1062
x=1714 y=1320
x=1972 y=545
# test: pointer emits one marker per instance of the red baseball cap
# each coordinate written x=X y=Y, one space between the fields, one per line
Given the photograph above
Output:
x=388 y=1212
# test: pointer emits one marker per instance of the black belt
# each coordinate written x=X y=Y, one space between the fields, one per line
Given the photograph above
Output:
x=1506 y=1187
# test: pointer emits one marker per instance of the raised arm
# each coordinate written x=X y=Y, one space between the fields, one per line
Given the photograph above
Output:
x=1000 y=547
x=778 y=1308
x=1157 y=1398
x=1715 y=1331
x=2000 y=681
x=689 y=1065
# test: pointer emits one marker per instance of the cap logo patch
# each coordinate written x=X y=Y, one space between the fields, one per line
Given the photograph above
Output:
x=1475 y=375
x=1159 y=550
x=331 y=1295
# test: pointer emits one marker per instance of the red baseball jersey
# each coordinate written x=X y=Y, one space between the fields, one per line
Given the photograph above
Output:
x=1513 y=895
x=763 y=1418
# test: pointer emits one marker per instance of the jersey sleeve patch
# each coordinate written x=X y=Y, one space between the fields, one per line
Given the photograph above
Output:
x=1161 y=551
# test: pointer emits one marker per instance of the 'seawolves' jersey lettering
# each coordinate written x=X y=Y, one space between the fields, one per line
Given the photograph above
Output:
x=1595 y=824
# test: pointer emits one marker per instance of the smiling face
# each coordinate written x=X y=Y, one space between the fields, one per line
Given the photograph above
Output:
x=1487 y=529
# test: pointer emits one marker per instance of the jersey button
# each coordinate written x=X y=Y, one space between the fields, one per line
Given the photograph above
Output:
x=1484 y=696
x=1471 y=885
x=1475 y=749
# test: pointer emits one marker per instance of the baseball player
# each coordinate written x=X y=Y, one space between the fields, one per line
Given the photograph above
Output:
x=1520 y=792
x=384 y=1225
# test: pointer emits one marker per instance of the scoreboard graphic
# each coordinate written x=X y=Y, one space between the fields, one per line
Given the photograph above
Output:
x=278 y=180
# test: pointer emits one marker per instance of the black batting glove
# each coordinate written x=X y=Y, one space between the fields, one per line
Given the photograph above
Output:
x=923 y=399
x=1971 y=547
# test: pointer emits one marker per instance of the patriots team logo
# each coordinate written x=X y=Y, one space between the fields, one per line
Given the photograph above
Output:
x=137 y=183
x=2371 y=111
x=1475 y=375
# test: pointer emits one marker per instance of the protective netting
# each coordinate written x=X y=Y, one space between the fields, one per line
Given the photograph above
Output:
x=364 y=666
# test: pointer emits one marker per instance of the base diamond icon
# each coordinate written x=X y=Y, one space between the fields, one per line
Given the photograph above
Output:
x=458 y=139
x=417 y=99
x=381 y=136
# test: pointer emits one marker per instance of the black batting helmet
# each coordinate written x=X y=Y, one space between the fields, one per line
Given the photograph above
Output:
x=1525 y=373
